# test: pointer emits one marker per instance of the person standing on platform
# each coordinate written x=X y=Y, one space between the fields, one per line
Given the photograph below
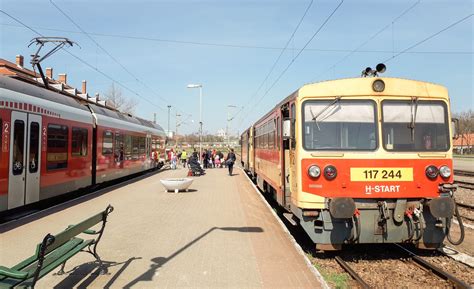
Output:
x=184 y=158
x=230 y=160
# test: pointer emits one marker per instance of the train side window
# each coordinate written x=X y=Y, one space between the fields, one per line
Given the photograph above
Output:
x=293 y=130
x=142 y=144
x=57 y=154
x=107 y=145
x=278 y=129
x=79 y=142
x=34 y=147
x=135 y=145
x=1 y=136
x=18 y=147
x=119 y=147
x=128 y=147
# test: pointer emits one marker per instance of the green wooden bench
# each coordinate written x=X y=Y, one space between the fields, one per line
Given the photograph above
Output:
x=54 y=251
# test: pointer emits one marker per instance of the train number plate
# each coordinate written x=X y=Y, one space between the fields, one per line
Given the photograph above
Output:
x=381 y=174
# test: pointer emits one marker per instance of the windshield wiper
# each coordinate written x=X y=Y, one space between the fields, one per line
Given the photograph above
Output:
x=413 y=110
x=325 y=108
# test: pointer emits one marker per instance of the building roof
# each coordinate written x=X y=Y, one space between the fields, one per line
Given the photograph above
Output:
x=464 y=140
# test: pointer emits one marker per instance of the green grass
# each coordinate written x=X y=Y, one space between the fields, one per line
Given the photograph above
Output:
x=335 y=280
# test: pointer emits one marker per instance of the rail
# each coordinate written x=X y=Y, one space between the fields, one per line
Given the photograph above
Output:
x=353 y=273
x=463 y=173
x=435 y=270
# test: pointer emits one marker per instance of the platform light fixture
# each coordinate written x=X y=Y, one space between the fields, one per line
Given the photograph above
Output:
x=200 y=115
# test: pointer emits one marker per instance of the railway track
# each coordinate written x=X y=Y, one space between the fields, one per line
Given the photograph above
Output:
x=463 y=173
x=410 y=257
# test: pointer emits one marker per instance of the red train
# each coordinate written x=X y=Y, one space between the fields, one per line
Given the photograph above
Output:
x=55 y=141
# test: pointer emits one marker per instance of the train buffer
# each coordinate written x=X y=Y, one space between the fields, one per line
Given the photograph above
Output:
x=219 y=234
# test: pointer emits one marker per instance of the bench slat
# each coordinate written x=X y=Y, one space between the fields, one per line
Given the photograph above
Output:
x=73 y=231
x=50 y=262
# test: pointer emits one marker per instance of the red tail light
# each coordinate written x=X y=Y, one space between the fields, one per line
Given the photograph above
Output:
x=330 y=172
x=431 y=172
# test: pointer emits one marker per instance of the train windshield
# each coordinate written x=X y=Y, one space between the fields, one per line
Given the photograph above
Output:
x=339 y=125
x=415 y=125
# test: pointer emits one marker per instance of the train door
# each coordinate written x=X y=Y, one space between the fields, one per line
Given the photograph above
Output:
x=24 y=166
x=285 y=157
x=148 y=151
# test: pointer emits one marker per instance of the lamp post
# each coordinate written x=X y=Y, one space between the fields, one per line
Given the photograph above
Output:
x=168 y=132
x=227 y=124
x=200 y=115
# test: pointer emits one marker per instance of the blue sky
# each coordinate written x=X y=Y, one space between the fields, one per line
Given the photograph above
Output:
x=232 y=75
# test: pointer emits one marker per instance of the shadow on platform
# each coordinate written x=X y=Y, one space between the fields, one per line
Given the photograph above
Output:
x=158 y=262
x=90 y=271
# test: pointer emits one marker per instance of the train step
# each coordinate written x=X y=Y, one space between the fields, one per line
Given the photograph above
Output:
x=291 y=218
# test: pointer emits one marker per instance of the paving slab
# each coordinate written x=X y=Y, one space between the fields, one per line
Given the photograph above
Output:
x=220 y=234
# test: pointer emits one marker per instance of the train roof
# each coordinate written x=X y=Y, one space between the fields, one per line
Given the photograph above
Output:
x=362 y=86
x=17 y=78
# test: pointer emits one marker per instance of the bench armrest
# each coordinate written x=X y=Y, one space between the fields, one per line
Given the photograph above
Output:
x=88 y=231
x=12 y=273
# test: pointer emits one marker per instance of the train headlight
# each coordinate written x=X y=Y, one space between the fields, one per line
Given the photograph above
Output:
x=314 y=171
x=431 y=172
x=330 y=172
x=378 y=85
x=445 y=171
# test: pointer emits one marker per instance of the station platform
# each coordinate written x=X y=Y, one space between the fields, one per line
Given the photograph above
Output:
x=220 y=234
x=465 y=164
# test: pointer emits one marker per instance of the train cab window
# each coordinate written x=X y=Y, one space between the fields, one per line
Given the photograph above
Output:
x=79 y=142
x=107 y=144
x=34 y=147
x=18 y=147
x=57 y=152
x=415 y=126
x=339 y=125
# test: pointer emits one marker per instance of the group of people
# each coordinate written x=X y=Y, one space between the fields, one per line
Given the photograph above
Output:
x=210 y=159
x=175 y=157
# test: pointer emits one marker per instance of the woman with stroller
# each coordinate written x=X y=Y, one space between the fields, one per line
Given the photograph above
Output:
x=195 y=165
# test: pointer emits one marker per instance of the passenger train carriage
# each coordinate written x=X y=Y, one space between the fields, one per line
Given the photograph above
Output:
x=54 y=141
x=361 y=160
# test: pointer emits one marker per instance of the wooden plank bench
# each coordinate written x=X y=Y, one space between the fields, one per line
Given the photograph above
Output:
x=54 y=251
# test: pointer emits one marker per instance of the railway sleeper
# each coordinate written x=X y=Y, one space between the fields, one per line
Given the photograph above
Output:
x=374 y=221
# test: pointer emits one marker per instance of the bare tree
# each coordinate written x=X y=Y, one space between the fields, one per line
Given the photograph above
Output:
x=466 y=128
x=117 y=100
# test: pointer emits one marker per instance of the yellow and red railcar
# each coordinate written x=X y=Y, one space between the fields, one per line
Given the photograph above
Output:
x=360 y=160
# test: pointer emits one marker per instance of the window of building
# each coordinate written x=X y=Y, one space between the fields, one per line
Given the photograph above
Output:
x=79 y=142
x=57 y=154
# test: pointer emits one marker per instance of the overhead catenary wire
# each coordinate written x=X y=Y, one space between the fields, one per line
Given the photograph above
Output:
x=108 y=53
x=394 y=20
x=86 y=63
x=279 y=56
x=237 y=46
x=295 y=57
x=429 y=37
